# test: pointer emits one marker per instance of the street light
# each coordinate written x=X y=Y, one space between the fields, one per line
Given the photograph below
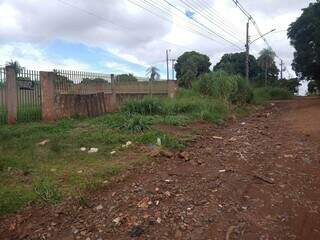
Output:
x=262 y=36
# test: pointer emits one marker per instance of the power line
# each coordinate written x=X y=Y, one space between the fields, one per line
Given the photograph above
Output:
x=204 y=26
x=207 y=17
x=211 y=11
x=249 y=16
x=161 y=8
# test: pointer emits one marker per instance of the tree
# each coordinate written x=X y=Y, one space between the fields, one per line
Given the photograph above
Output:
x=234 y=63
x=191 y=65
x=304 y=34
x=93 y=80
x=15 y=65
x=153 y=72
x=291 y=84
x=313 y=87
x=267 y=63
x=126 y=78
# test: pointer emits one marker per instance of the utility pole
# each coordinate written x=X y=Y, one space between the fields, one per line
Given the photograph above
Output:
x=281 y=66
x=167 y=58
x=173 y=61
x=247 y=52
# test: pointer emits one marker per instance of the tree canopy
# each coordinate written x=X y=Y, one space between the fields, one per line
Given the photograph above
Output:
x=126 y=78
x=191 y=65
x=304 y=34
x=153 y=73
x=267 y=63
x=234 y=63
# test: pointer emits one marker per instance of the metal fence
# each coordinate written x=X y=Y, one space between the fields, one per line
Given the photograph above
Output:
x=75 y=82
x=28 y=95
x=3 y=108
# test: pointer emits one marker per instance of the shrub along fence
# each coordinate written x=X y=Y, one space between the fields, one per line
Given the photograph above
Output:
x=31 y=95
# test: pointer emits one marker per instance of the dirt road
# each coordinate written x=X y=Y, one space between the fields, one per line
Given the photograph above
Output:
x=254 y=179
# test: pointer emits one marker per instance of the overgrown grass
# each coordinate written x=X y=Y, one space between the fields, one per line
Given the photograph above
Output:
x=188 y=106
x=30 y=172
x=261 y=95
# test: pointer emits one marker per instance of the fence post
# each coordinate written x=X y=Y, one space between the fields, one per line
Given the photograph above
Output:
x=172 y=88
x=48 y=96
x=113 y=100
x=11 y=94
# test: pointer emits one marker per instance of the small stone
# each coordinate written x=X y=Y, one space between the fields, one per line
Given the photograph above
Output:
x=184 y=156
x=83 y=149
x=44 y=142
x=93 y=150
x=158 y=220
x=99 y=207
x=167 y=154
x=167 y=193
x=136 y=231
x=117 y=221
x=113 y=152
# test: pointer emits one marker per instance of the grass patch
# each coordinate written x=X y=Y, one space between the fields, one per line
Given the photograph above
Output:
x=264 y=94
x=47 y=190
x=12 y=198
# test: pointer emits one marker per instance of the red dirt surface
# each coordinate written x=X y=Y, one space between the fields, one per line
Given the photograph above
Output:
x=254 y=179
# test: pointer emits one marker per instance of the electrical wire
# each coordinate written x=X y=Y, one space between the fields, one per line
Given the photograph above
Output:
x=203 y=25
x=211 y=20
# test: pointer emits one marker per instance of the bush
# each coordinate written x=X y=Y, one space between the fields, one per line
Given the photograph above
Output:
x=243 y=93
x=261 y=95
x=146 y=106
x=134 y=123
x=230 y=88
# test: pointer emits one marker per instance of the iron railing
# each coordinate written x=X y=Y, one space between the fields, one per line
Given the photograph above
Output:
x=75 y=82
x=29 y=95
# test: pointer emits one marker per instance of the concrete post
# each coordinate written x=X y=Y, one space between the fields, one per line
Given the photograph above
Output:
x=48 y=96
x=11 y=94
x=172 y=88
x=113 y=99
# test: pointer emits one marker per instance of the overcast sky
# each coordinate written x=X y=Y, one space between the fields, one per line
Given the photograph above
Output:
x=116 y=36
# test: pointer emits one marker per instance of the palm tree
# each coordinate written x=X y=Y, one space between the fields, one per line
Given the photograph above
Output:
x=15 y=65
x=266 y=60
x=153 y=72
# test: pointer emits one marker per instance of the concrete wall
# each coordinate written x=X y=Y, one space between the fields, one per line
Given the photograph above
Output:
x=57 y=104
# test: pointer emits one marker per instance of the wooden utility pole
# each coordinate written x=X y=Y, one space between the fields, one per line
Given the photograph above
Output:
x=247 y=51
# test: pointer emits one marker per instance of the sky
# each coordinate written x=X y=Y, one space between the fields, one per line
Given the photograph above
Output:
x=118 y=36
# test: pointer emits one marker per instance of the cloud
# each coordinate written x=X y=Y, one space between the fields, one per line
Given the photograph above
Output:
x=32 y=57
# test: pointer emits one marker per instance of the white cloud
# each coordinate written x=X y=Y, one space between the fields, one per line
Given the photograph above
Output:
x=31 y=57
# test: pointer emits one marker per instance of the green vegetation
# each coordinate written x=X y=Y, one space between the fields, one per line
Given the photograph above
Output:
x=189 y=66
x=261 y=95
x=188 y=106
x=304 y=34
x=229 y=88
x=313 y=87
x=31 y=172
